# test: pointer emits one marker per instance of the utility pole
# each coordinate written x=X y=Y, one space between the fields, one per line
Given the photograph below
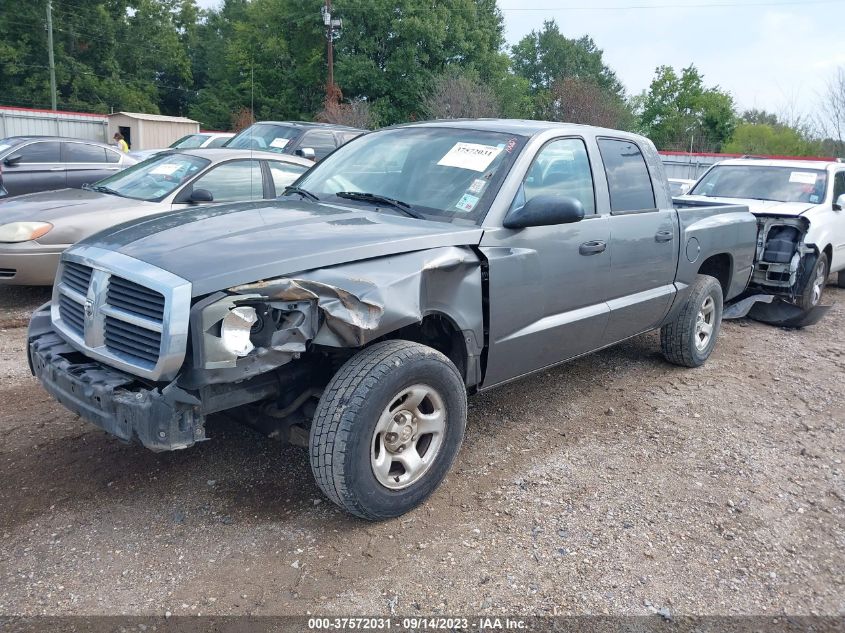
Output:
x=50 y=53
x=331 y=27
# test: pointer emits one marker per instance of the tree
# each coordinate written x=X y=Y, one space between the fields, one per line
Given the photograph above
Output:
x=356 y=113
x=459 y=95
x=546 y=56
x=766 y=140
x=679 y=112
x=577 y=100
x=831 y=116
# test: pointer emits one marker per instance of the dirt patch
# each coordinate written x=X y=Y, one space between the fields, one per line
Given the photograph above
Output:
x=614 y=484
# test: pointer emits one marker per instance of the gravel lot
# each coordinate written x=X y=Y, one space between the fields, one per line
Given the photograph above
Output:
x=615 y=484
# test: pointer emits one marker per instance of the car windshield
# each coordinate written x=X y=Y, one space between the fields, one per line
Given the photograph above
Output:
x=264 y=136
x=763 y=182
x=442 y=173
x=192 y=141
x=154 y=178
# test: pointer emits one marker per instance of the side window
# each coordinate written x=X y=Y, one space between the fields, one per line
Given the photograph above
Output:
x=627 y=176
x=112 y=157
x=561 y=168
x=284 y=174
x=218 y=141
x=233 y=181
x=82 y=153
x=838 y=185
x=41 y=152
x=321 y=141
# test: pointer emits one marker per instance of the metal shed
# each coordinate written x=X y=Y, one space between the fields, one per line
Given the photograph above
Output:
x=150 y=131
x=34 y=122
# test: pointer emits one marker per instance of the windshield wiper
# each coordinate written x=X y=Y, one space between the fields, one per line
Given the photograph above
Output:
x=404 y=207
x=104 y=189
x=302 y=192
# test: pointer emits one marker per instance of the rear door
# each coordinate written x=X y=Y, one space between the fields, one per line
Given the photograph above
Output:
x=39 y=169
x=86 y=163
x=547 y=283
x=643 y=243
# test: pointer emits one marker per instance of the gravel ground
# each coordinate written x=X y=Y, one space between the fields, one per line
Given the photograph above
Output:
x=615 y=484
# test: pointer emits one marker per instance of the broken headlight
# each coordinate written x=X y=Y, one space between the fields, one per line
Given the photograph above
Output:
x=236 y=328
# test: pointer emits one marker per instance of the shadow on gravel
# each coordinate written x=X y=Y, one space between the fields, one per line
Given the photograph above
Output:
x=18 y=302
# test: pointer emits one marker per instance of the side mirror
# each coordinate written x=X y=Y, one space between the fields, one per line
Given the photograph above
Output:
x=545 y=210
x=201 y=195
x=840 y=203
x=11 y=161
x=307 y=152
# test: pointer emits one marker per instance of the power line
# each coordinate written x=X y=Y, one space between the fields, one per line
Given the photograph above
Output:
x=637 y=7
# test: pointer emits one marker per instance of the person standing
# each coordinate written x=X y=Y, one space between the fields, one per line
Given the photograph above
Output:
x=120 y=142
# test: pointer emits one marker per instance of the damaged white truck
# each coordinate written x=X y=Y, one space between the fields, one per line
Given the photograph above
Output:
x=800 y=209
x=410 y=268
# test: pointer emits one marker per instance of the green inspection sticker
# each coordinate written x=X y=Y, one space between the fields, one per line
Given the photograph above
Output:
x=467 y=202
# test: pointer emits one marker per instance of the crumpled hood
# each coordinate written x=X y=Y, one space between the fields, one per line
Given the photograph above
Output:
x=48 y=206
x=223 y=246
x=761 y=207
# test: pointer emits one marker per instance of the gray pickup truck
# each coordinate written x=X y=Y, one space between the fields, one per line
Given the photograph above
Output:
x=413 y=266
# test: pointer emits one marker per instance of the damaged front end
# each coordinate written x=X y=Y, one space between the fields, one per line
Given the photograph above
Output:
x=784 y=265
x=268 y=348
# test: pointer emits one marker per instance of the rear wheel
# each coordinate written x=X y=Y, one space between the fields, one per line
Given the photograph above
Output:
x=840 y=279
x=387 y=429
x=689 y=339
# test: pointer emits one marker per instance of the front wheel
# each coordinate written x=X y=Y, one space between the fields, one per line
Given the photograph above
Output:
x=814 y=288
x=387 y=429
x=689 y=339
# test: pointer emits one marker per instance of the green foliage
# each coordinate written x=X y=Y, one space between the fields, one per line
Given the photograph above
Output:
x=766 y=139
x=679 y=111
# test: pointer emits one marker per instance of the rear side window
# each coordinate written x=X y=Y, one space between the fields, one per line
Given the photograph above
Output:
x=112 y=157
x=83 y=153
x=321 y=141
x=627 y=176
x=40 y=152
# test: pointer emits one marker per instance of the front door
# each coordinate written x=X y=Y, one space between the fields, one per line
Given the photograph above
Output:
x=643 y=244
x=39 y=168
x=547 y=283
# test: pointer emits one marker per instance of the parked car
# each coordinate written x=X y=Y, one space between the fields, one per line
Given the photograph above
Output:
x=208 y=140
x=680 y=186
x=799 y=208
x=309 y=140
x=36 y=228
x=413 y=266
x=42 y=163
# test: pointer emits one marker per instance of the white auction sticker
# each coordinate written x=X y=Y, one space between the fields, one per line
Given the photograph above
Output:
x=803 y=177
x=165 y=170
x=279 y=142
x=470 y=156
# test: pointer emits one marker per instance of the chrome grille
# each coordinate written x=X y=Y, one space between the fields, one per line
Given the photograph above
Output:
x=72 y=313
x=77 y=277
x=132 y=340
x=135 y=298
x=122 y=311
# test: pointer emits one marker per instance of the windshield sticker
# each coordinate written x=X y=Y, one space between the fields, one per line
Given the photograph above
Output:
x=470 y=156
x=167 y=169
x=279 y=143
x=477 y=185
x=511 y=144
x=467 y=202
x=803 y=177
x=814 y=199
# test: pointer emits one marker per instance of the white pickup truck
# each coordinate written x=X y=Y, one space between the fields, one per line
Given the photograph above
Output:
x=800 y=210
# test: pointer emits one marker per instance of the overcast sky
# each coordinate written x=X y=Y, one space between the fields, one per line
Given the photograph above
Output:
x=770 y=54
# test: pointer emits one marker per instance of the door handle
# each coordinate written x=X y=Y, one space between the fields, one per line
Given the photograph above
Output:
x=592 y=248
x=664 y=236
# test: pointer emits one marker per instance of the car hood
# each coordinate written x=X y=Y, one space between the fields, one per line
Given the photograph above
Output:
x=223 y=246
x=761 y=207
x=48 y=206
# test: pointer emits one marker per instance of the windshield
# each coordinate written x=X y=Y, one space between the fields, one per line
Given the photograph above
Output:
x=264 y=136
x=192 y=141
x=154 y=178
x=443 y=173
x=762 y=182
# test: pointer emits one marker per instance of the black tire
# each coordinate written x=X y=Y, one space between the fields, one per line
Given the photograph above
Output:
x=678 y=338
x=807 y=299
x=343 y=431
x=840 y=279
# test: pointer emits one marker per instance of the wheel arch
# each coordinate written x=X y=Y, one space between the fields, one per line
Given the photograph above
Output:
x=720 y=266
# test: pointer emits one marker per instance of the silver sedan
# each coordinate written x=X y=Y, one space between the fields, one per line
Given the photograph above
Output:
x=36 y=228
